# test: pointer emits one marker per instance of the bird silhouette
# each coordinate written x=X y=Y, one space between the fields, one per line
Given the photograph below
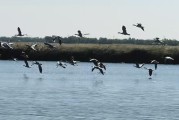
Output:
x=124 y=31
x=32 y=47
x=6 y=45
x=139 y=25
x=72 y=61
x=155 y=62
x=139 y=65
x=80 y=34
x=57 y=38
x=62 y=64
x=39 y=65
x=97 y=63
x=150 y=71
x=26 y=63
x=19 y=32
x=158 y=41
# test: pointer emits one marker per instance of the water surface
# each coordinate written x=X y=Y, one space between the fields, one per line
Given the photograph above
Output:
x=76 y=93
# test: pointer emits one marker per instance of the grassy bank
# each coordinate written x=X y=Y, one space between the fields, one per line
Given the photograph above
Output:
x=104 y=52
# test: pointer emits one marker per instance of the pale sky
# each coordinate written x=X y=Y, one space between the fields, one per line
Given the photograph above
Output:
x=100 y=18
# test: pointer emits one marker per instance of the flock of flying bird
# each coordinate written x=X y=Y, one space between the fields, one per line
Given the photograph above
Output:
x=155 y=62
x=97 y=64
x=23 y=55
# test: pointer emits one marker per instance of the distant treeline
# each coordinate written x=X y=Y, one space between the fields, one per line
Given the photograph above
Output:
x=74 y=40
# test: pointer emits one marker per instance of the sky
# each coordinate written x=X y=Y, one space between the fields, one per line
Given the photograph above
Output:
x=99 y=18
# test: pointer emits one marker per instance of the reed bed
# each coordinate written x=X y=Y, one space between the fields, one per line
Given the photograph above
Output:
x=127 y=53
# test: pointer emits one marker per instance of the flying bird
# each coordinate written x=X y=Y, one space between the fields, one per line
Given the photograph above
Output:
x=124 y=31
x=155 y=62
x=150 y=71
x=139 y=25
x=58 y=38
x=80 y=34
x=6 y=45
x=101 y=65
x=60 y=63
x=39 y=65
x=32 y=47
x=97 y=63
x=72 y=61
x=158 y=41
x=19 y=32
x=168 y=58
x=26 y=64
x=139 y=65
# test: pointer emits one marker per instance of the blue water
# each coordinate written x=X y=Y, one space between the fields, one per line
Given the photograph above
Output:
x=76 y=93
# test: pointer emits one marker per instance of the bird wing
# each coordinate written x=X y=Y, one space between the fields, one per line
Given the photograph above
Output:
x=33 y=47
x=19 y=31
x=10 y=43
x=60 y=42
x=100 y=69
x=51 y=46
x=26 y=63
x=6 y=45
x=93 y=68
x=141 y=65
x=40 y=67
x=86 y=34
x=137 y=65
x=146 y=68
x=142 y=28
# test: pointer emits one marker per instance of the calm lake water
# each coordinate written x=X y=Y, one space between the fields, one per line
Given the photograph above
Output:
x=76 y=93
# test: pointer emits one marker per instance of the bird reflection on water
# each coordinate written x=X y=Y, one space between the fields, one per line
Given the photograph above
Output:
x=25 y=77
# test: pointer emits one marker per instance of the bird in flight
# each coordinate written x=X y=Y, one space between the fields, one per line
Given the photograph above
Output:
x=124 y=31
x=155 y=62
x=62 y=64
x=139 y=65
x=158 y=41
x=32 y=47
x=97 y=63
x=19 y=32
x=168 y=59
x=57 y=38
x=150 y=71
x=39 y=65
x=80 y=34
x=139 y=25
x=6 y=45
x=72 y=61
x=26 y=63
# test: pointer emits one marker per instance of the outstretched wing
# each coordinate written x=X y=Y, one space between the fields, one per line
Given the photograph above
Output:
x=101 y=71
x=33 y=47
